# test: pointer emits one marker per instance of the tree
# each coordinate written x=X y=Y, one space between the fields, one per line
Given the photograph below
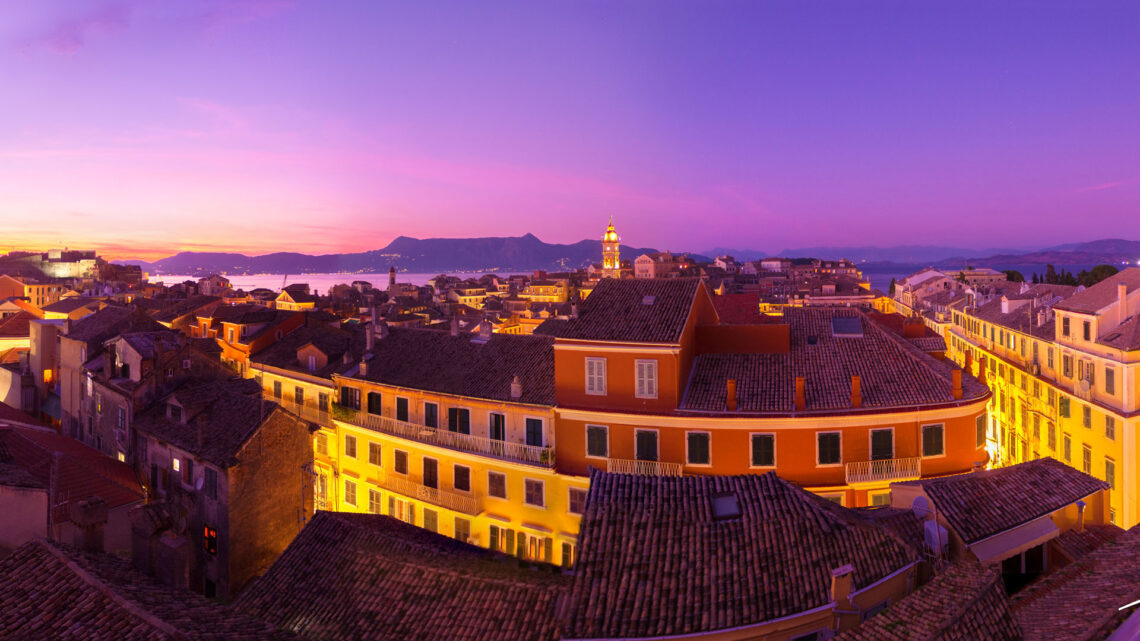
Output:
x=1050 y=275
x=1035 y=279
x=1013 y=276
x=1096 y=274
x=891 y=290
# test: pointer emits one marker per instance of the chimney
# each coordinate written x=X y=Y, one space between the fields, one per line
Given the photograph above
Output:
x=730 y=395
x=89 y=515
x=841 y=586
x=956 y=387
x=369 y=335
x=347 y=358
x=1122 y=300
x=516 y=388
x=969 y=361
x=363 y=367
x=856 y=392
x=574 y=310
x=982 y=370
x=485 y=330
x=382 y=330
x=801 y=399
x=455 y=326
x=1080 y=516
x=1041 y=315
x=1004 y=305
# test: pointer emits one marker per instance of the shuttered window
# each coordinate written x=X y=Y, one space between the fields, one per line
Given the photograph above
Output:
x=534 y=432
x=375 y=406
x=882 y=444
x=597 y=441
x=697 y=448
x=828 y=448
x=763 y=450
x=401 y=409
x=646 y=445
x=431 y=415
x=646 y=379
x=596 y=376
x=431 y=473
x=459 y=420
x=497 y=426
x=932 y=440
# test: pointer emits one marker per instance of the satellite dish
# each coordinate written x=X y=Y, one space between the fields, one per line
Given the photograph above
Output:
x=1084 y=386
x=199 y=483
x=920 y=507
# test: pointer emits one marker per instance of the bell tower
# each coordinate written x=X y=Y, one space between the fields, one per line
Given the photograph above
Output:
x=611 y=261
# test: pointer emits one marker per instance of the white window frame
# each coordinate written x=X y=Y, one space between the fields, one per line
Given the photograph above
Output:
x=871 y=441
x=533 y=417
x=752 y=466
x=541 y=484
x=871 y=498
x=592 y=381
x=355 y=493
x=569 y=493
x=506 y=491
x=640 y=390
x=820 y=433
x=922 y=440
x=407 y=462
x=842 y=496
x=689 y=463
x=586 y=431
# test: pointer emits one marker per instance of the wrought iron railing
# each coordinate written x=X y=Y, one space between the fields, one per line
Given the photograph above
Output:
x=884 y=470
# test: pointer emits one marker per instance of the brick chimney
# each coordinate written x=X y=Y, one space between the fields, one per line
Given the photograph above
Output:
x=856 y=392
x=455 y=326
x=801 y=398
x=841 y=578
x=89 y=515
x=730 y=395
x=956 y=386
x=485 y=330
x=516 y=388
x=982 y=369
x=969 y=362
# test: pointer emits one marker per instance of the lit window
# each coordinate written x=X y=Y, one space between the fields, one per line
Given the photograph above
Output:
x=350 y=492
x=210 y=539
x=350 y=446
x=400 y=461
x=176 y=465
x=374 y=453
x=462 y=478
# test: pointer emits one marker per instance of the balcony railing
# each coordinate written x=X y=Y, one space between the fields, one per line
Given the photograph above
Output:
x=307 y=412
x=446 y=499
x=516 y=452
x=884 y=470
x=644 y=468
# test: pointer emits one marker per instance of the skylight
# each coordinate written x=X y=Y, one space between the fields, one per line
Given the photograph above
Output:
x=846 y=327
x=648 y=300
x=725 y=506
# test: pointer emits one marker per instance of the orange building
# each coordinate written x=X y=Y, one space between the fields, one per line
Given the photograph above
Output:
x=244 y=330
x=648 y=381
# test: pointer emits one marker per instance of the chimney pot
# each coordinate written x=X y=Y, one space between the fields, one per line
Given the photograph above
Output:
x=1122 y=300
x=841 y=586
x=516 y=388
x=856 y=392
x=956 y=389
x=801 y=397
x=1081 y=516
x=730 y=395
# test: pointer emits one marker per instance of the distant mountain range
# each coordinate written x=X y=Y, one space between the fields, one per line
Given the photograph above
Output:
x=527 y=253
x=511 y=254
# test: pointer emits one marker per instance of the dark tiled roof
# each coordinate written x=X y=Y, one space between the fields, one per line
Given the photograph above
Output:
x=150 y=344
x=901 y=521
x=50 y=591
x=1075 y=545
x=654 y=561
x=333 y=342
x=111 y=321
x=70 y=304
x=981 y=504
x=929 y=343
x=434 y=360
x=892 y=372
x=1081 y=601
x=966 y=602
x=244 y=314
x=362 y=576
x=1125 y=337
x=172 y=312
x=1102 y=294
x=17 y=325
x=220 y=416
x=617 y=311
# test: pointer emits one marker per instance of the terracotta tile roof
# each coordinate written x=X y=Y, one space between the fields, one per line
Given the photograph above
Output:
x=981 y=504
x=243 y=314
x=79 y=471
x=70 y=304
x=966 y=602
x=363 y=576
x=51 y=591
x=180 y=308
x=435 y=360
x=150 y=344
x=892 y=372
x=1125 y=337
x=9 y=414
x=17 y=325
x=1081 y=600
x=740 y=309
x=631 y=310
x=333 y=342
x=1022 y=319
x=109 y=322
x=654 y=560
x=219 y=417
x=1075 y=545
x=901 y=521
x=929 y=343
x=1102 y=294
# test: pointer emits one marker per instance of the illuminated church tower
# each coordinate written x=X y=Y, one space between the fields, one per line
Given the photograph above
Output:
x=611 y=262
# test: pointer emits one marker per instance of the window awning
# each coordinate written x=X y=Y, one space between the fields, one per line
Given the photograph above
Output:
x=1014 y=541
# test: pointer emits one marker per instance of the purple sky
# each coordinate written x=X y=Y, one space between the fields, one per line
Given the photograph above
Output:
x=147 y=127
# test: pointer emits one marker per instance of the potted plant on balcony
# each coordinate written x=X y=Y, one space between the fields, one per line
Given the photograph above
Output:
x=342 y=412
x=546 y=456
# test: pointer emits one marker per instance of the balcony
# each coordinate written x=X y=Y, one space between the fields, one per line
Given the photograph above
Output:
x=515 y=452
x=644 y=468
x=884 y=470
x=454 y=501
x=309 y=413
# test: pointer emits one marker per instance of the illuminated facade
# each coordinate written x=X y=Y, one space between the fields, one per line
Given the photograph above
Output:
x=611 y=252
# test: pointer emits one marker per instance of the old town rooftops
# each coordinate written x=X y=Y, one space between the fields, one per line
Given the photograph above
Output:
x=664 y=556
x=631 y=310
x=463 y=365
x=980 y=504
x=893 y=373
x=1103 y=294
x=364 y=576
x=1125 y=337
x=110 y=321
x=966 y=602
x=333 y=342
x=51 y=591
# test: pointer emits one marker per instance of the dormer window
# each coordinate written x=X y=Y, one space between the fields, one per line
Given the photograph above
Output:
x=174 y=413
x=312 y=363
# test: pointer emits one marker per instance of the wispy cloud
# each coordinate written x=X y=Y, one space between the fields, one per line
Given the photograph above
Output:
x=1109 y=185
x=223 y=15
x=68 y=35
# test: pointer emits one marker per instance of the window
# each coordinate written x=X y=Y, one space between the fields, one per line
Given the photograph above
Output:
x=497 y=426
x=697 y=448
x=402 y=409
x=1087 y=330
x=462 y=529
x=534 y=493
x=400 y=461
x=1110 y=473
x=497 y=485
x=596 y=376
x=350 y=492
x=1109 y=380
x=211 y=482
x=597 y=441
x=462 y=478
x=188 y=472
x=431 y=520
x=1036 y=426
x=882 y=444
x=350 y=397
x=577 y=500
x=299 y=395
x=322 y=443
x=176 y=464
x=1064 y=326
x=1110 y=427
x=1067 y=365
x=459 y=420
x=1086 y=416
x=980 y=430
x=374 y=454
x=375 y=406
x=1051 y=435
x=932 y=440
x=374 y=503
x=312 y=363
x=1049 y=357
x=1064 y=409
x=881 y=499
x=1086 y=459
x=828 y=448
x=210 y=539
x=121 y=423
x=646 y=379
x=350 y=446
x=1067 y=452
x=763 y=450
x=534 y=432
x=431 y=473
x=277 y=389
x=431 y=415
x=322 y=402
x=646 y=445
